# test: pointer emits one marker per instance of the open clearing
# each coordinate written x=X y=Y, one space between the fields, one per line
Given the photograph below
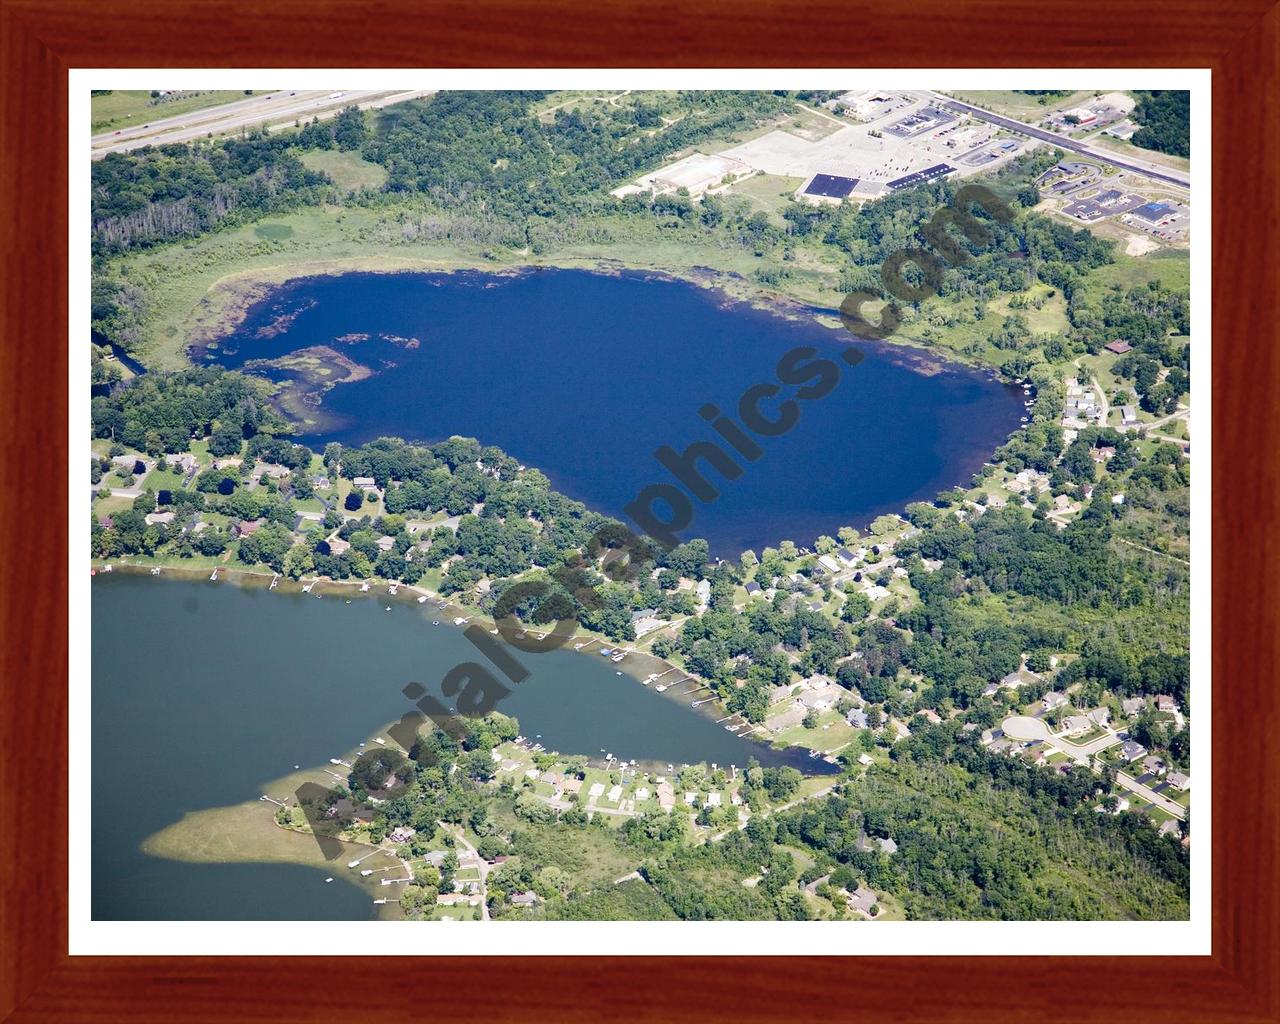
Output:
x=348 y=170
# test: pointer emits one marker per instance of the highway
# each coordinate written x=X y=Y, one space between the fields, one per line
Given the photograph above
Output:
x=1164 y=174
x=276 y=109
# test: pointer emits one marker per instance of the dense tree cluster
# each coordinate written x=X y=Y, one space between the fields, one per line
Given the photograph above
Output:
x=486 y=149
x=180 y=190
x=1165 y=119
x=159 y=413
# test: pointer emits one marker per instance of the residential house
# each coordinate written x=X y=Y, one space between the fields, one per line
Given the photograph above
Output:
x=248 y=527
x=1178 y=780
x=159 y=518
x=1128 y=415
x=1118 y=346
x=1152 y=765
x=1075 y=725
x=1166 y=703
x=1133 y=706
x=1100 y=716
x=528 y=898
x=862 y=900
x=1054 y=699
x=1131 y=750
x=666 y=796
x=184 y=463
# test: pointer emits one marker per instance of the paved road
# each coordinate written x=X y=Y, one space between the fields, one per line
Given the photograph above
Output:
x=1164 y=174
x=1025 y=728
x=274 y=109
x=1022 y=727
x=1151 y=796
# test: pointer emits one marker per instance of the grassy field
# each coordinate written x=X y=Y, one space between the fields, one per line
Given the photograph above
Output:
x=767 y=192
x=348 y=170
x=1122 y=148
x=127 y=108
x=1171 y=267
x=1020 y=106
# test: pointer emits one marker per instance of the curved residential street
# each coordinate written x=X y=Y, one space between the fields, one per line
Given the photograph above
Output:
x=1026 y=728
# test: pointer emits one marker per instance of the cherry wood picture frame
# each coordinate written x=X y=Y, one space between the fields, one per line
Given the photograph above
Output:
x=41 y=39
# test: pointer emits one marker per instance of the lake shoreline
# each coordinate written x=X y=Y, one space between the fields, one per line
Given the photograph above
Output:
x=257 y=579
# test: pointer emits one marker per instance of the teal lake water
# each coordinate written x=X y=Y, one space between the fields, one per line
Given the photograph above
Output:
x=204 y=692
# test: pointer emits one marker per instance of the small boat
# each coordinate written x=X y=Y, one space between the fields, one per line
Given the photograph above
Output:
x=662 y=688
x=364 y=587
x=606 y=652
x=328 y=880
x=155 y=571
x=422 y=599
x=106 y=568
x=366 y=872
x=460 y=621
x=435 y=622
x=334 y=760
x=617 y=673
x=353 y=863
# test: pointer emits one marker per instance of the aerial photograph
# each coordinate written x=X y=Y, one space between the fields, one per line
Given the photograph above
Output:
x=639 y=505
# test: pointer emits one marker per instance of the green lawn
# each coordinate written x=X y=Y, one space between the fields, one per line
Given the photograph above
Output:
x=163 y=480
x=348 y=170
x=128 y=108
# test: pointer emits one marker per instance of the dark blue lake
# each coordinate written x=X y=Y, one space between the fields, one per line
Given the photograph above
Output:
x=584 y=375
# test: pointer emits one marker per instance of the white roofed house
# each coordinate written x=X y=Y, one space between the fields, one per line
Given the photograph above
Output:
x=1075 y=725
x=1054 y=699
x=1178 y=780
x=1131 y=750
x=1100 y=716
